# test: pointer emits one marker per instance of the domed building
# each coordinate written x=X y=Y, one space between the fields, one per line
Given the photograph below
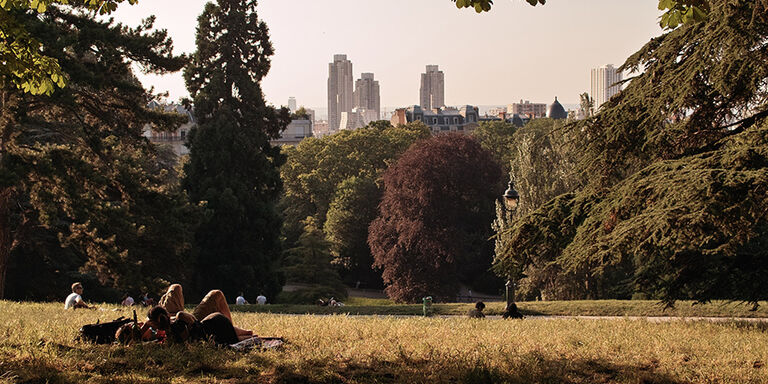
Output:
x=556 y=111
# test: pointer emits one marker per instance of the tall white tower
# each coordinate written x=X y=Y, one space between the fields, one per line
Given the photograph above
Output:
x=604 y=84
x=340 y=91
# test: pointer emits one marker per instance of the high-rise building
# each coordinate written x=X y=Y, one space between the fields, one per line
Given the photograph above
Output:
x=340 y=92
x=367 y=94
x=292 y=104
x=432 y=93
x=604 y=84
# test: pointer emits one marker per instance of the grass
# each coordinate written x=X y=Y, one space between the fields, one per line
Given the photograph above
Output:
x=37 y=346
x=365 y=306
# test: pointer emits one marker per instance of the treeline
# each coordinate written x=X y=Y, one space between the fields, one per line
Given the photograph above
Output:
x=85 y=197
x=671 y=200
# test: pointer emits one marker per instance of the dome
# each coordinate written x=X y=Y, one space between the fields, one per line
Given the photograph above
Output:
x=556 y=111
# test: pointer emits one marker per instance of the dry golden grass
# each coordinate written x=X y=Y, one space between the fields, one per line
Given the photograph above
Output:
x=36 y=346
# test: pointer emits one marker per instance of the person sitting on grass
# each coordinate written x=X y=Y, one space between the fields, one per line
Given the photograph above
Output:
x=511 y=312
x=477 y=312
x=240 y=300
x=75 y=300
x=214 y=302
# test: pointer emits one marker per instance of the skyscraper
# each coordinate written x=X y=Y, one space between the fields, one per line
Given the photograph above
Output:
x=604 y=85
x=367 y=94
x=292 y=104
x=340 y=92
x=432 y=93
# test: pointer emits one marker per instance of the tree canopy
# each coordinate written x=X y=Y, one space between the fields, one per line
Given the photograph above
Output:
x=233 y=168
x=24 y=64
x=335 y=180
x=677 y=12
x=673 y=205
x=434 y=220
x=76 y=174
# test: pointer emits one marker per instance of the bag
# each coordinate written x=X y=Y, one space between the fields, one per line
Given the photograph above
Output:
x=102 y=333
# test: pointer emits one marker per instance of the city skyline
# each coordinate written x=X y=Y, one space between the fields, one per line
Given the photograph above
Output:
x=490 y=65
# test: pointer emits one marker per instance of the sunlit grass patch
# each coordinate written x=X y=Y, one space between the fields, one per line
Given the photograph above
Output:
x=38 y=345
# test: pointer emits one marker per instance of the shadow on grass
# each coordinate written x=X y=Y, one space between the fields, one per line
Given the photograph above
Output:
x=203 y=363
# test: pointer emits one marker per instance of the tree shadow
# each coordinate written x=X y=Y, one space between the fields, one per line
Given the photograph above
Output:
x=204 y=363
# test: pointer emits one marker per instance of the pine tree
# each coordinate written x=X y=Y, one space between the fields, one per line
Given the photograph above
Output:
x=233 y=168
x=75 y=170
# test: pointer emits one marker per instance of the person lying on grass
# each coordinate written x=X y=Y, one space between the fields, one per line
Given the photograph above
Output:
x=153 y=329
x=214 y=302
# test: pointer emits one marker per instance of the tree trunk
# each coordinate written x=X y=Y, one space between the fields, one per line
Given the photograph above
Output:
x=6 y=239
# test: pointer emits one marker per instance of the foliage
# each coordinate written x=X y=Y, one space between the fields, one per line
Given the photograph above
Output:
x=232 y=168
x=300 y=114
x=314 y=174
x=309 y=264
x=497 y=137
x=677 y=12
x=434 y=222
x=674 y=205
x=75 y=171
x=346 y=227
x=24 y=64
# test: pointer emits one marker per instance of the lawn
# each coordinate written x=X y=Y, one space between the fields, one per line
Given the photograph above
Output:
x=37 y=346
x=364 y=306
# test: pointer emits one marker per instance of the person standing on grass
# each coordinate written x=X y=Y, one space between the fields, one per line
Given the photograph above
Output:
x=240 y=300
x=75 y=300
x=477 y=312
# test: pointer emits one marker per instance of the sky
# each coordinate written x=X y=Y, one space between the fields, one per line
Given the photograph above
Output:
x=514 y=52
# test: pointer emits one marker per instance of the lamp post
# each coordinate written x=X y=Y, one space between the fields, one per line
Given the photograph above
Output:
x=511 y=199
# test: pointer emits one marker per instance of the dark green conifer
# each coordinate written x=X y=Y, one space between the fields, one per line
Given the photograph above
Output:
x=233 y=168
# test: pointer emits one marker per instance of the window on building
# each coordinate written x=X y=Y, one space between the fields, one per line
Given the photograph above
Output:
x=455 y=120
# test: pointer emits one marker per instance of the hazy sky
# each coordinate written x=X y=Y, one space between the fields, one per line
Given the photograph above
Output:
x=514 y=52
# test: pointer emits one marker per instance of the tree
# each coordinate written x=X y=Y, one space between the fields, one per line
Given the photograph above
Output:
x=346 y=227
x=233 y=168
x=434 y=219
x=674 y=202
x=315 y=176
x=497 y=138
x=309 y=264
x=75 y=171
x=677 y=12
x=24 y=64
x=586 y=105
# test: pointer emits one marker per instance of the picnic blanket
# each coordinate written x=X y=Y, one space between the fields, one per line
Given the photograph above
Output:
x=262 y=343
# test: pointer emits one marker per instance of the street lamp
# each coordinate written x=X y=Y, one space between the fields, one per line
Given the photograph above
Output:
x=511 y=200
x=511 y=197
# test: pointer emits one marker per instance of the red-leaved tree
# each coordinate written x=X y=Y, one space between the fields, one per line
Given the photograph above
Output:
x=435 y=218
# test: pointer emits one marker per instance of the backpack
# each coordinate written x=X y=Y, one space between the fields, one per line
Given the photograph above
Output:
x=102 y=333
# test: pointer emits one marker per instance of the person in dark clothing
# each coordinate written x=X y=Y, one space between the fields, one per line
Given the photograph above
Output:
x=216 y=327
x=511 y=312
x=477 y=313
